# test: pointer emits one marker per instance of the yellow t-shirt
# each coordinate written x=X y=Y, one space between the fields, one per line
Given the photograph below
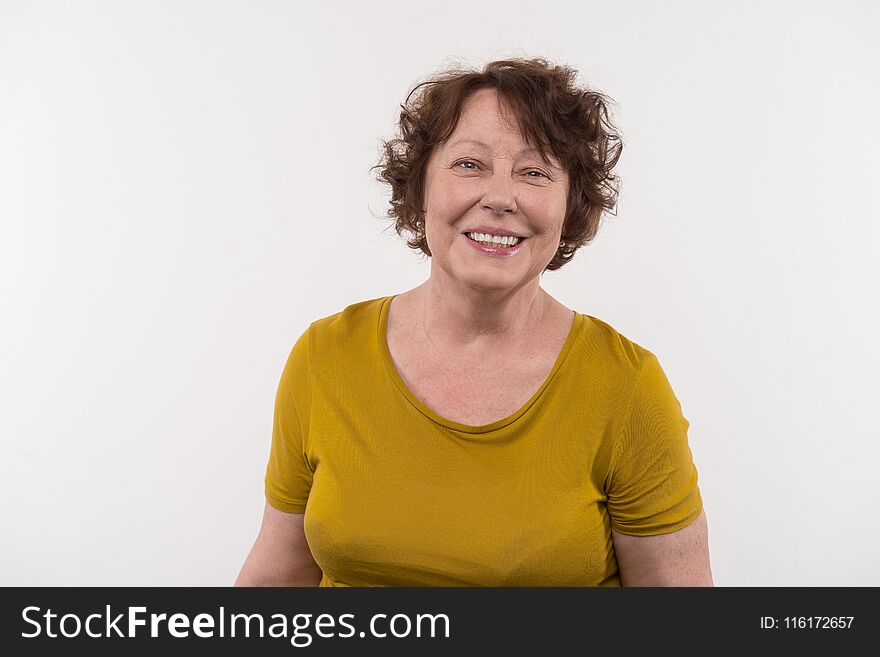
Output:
x=396 y=495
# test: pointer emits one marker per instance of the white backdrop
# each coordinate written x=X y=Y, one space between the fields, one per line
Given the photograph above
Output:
x=184 y=186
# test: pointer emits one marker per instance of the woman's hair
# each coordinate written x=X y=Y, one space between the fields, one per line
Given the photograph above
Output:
x=553 y=115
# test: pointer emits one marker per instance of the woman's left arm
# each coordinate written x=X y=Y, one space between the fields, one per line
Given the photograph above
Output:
x=680 y=558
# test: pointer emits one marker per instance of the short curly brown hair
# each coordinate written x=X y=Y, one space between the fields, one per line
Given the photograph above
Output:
x=553 y=115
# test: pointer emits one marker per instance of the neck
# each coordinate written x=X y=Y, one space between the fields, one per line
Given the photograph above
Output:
x=473 y=318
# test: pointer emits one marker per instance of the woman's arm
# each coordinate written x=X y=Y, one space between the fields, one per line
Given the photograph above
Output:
x=281 y=555
x=676 y=559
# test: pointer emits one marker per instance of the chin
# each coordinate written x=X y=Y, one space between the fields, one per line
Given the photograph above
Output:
x=497 y=282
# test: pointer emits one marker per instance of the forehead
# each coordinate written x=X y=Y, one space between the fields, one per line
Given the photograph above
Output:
x=486 y=121
x=485 y=110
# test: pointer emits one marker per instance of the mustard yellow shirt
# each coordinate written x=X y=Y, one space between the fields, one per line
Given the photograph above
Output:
x=396 y=495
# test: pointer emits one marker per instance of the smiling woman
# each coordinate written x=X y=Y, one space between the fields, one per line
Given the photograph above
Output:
x=474 y=430
x=500 y=177
x=564 y=131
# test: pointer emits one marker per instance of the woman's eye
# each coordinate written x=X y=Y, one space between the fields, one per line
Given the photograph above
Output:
x=474 y=164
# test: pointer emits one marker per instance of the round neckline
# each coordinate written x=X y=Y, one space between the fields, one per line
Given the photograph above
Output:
x=458 y=426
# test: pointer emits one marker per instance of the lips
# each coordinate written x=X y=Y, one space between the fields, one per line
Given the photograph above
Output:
x=497 y=231
x=495 y=246
x=497 y=251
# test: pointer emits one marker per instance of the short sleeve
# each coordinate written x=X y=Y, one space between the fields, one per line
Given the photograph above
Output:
x=288 y=474
x=652 y=481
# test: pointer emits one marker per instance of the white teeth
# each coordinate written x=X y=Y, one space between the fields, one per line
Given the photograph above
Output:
x=494 y=240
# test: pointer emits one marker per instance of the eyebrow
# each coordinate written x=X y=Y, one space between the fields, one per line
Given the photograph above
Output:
x=479 y=143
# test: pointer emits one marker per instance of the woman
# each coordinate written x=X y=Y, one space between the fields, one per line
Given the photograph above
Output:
x=474 y=430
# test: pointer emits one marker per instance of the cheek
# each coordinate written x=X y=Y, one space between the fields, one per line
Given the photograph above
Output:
x=547 y=214
x=550 y=233
x=456 y=197
x=446 y=211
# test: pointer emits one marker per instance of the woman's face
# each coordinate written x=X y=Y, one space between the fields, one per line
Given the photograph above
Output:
x=485 y=176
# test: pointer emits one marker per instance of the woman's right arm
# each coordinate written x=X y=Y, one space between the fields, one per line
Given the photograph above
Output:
x=281 y=555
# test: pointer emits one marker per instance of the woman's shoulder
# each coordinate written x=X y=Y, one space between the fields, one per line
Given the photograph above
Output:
x=355 y=322
x=617 y=350
x=357 y=312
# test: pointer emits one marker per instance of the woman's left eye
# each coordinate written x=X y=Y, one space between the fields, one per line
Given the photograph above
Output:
x=540 y=173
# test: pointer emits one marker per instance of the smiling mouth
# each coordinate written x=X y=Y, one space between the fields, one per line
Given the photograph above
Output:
x=496 y=250
x=506 y=242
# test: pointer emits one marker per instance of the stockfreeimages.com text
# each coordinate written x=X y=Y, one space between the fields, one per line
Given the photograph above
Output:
x=127 y=624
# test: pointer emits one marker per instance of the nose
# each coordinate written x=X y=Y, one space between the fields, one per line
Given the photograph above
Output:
x=499 y=195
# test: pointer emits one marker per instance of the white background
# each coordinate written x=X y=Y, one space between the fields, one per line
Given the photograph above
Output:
x=185 y=186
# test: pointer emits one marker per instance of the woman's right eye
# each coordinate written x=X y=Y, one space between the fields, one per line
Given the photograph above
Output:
x=466 y=162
